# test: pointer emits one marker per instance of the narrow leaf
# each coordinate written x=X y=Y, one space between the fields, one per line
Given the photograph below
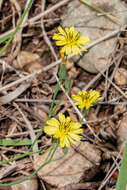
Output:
x=9 y=142
x=122 y=178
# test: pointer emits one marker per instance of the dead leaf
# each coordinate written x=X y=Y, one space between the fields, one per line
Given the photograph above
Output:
x=121 y=76
x=71 y=168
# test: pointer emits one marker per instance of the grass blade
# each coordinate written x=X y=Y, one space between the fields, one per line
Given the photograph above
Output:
x=9 y=142
x=122 y=178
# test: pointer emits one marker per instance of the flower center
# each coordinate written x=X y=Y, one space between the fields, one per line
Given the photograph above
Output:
x=64 y=129
x=71 y=39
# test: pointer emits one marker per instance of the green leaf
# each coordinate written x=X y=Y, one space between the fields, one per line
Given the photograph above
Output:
x=65 y=150
x=67 y=83
x=122 y=178
x=5 y=38
x=62 y=72
x=9 y=142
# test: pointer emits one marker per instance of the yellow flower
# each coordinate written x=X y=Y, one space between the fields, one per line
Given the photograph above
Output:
x=86 y=99
x=70 y=40
x=64 y=129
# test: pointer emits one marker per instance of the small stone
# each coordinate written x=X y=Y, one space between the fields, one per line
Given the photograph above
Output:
x=121 y=77
x=88 y=21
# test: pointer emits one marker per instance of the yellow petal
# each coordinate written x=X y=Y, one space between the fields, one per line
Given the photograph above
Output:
x=50 y=130
x=75 y=125
x=76 y=50
x=83 y=40
x=72 y=29
x=56 y=37
x=64 y=142
x=61 y=43
x=67 y=30
x=53 y=122
x=77 y=98
x=68 y=49
x=61 y=118
x=68 y=119
x=71 y=140
x=75 y=137
x=60 y=29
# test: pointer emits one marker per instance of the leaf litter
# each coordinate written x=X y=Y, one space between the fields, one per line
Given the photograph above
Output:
x=96 y=161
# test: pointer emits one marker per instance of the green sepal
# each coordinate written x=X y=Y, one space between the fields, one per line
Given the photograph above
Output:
x=65 y=150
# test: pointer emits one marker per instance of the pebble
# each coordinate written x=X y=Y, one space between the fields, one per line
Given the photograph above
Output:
x=90 y=23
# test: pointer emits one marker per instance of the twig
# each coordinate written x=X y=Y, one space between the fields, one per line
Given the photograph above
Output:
x=116 y=87
x=112 y=102
x=109 y=84
x=14 y=94
x=45 y=34
x=31 y=20
x=99 y=74
x=17 y=38
x=21 y=134
x=30 y=128
x=20 y=80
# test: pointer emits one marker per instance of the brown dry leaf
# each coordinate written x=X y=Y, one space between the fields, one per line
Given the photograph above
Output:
x=71 y=70
x=73 y=73
x=122 y=133
x=31 y=184
x=6 y=171
x=120 y=108
x=121 y=77
x=41 y=113
x=69 y=64
x=30 y=68
x=92 y=115
x=28 y=61
x=75 y=90
x=71 y=168
x=72 y=115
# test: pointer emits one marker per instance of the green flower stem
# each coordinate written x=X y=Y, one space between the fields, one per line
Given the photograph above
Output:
x=83 y=115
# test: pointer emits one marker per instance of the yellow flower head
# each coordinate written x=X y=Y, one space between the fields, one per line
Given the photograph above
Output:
x=86 y=99
x=64 y=129
x=70 y=40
